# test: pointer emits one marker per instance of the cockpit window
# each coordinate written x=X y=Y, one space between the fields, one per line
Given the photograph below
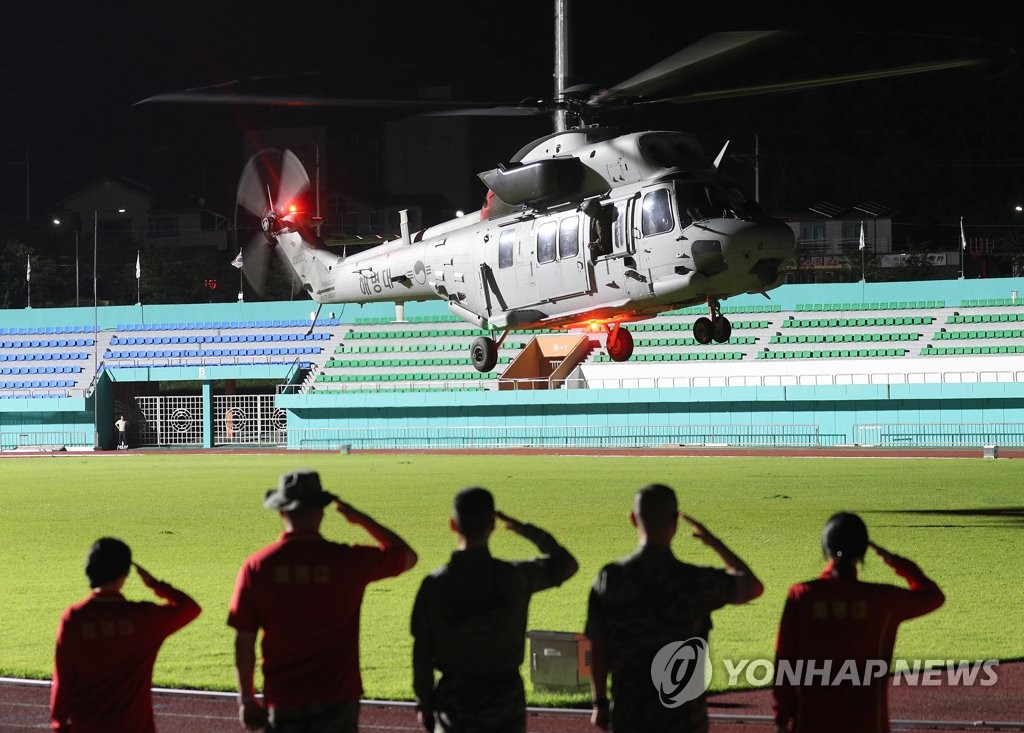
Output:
x=703 y=201
x=657 y=213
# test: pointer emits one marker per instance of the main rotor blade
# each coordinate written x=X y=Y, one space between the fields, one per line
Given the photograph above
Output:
x=275 y=100
x=692 y=60
x=495 y=111
x=800 y=85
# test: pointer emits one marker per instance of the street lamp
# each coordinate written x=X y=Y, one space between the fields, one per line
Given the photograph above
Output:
x=95 y=314
x=95 y=238
x=57 y=222
x=95 y=300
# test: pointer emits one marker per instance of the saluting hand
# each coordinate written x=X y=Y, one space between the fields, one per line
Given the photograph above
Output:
x=889 y=558
x=348 y=511
x=147 y=580
x=511 y=524
x=701 y=532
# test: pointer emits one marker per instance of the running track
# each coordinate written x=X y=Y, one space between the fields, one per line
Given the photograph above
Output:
x=23 y=707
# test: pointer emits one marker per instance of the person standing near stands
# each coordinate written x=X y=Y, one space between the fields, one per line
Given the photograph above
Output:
x=838 y=618
x=107 y=645
x=122 y=437
x=305 y=592
x=643 y=603
x=469 y=622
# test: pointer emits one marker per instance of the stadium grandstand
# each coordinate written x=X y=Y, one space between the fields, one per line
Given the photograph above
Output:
x=909 y=364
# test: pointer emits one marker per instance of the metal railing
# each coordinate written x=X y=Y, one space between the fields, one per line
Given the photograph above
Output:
x=753 y=379
x=46 y=439
x=576 y=436
x=938 y=435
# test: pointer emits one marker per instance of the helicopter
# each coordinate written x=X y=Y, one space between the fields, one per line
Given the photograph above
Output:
x=585 y=228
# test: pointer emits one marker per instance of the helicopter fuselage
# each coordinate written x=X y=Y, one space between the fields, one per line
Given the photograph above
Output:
x=585 y=227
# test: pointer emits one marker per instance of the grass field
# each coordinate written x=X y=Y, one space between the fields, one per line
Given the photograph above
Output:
x=192 y=519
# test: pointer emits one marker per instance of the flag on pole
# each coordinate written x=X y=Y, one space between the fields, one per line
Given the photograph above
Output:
x=237 y=262
x=138 y=265
x=28 y=270
x=963 y=239
x=861 y=236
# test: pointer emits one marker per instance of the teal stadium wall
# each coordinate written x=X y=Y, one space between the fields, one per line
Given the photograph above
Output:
x=940 y=414
x=791 y=415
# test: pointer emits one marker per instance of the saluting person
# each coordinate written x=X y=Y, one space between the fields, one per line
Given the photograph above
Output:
x=305 y=593
x=469 y=623
x=107 y=645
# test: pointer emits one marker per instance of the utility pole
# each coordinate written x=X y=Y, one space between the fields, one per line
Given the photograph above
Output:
x=561 y=59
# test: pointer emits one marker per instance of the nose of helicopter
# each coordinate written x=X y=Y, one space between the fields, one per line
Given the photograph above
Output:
x=760 y=248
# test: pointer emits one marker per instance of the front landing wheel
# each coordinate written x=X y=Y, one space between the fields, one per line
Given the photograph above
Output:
x=703 y=331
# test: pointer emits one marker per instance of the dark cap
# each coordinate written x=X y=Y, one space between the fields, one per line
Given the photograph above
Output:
x=845 y=537
x=109 y=559
x=298 y=490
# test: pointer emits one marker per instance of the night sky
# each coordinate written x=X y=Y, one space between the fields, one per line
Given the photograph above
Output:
x=936 y=147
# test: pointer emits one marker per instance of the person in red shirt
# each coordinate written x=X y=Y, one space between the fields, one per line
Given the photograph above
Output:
x=837 y=620
x=107 y=645
x=305 y=592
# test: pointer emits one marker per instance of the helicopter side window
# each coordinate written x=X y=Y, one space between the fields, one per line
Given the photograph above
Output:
x=506 y=245
x=619 y=230
x=657 y=213
x=547 y=234
x=569 y=237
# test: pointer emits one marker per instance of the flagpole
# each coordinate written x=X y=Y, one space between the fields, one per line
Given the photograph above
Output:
x=28 y=280
x=863 y=274
x=138 y=277
x=237 y=262
x=963 y=247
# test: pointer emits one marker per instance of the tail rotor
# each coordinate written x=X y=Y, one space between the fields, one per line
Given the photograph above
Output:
x=270 y=201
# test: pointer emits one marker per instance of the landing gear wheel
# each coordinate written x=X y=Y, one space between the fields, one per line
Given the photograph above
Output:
x=703 y=330
x=620 y=344
x=721 y=329
x=484 y=354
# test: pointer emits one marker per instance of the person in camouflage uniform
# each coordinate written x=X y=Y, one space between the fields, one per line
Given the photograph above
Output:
x=647 y=600
x=469 y=622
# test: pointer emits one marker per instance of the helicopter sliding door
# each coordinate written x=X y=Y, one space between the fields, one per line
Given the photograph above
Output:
x=561 y=266
x=512 y=280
